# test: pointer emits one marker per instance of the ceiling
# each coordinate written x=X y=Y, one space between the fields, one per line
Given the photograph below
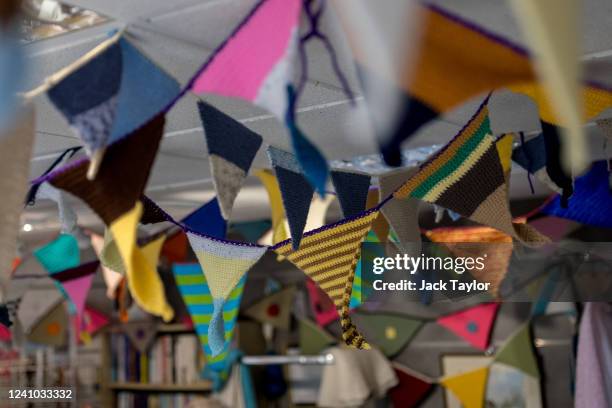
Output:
x=180 y=34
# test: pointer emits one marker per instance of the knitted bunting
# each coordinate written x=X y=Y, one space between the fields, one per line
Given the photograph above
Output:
x=322 y=306
x=198 y=298
x=467 y=177
x=76 y=283
x=207 y=220
x=591 y=203
x=469 y=388
x=67 y=215
x=51 y=329
x=380 y=226
x=531 y=155
x=110 y=255
x=410 y=390
x=141 y=264
x=224 y=265
x=141 y=334
x=274 y=309
x=35 y=304
x=552 y=29
x=402 y=214
x=111 y=277
x=296 y=192
x=518 y=352
x=477 y=241
x=175 y=248
x=60 y=254
x=103 y=99
x=15 y=151
x=93 y=320
x=473 y=324
x=390 y=332
x=231 y=150
x=352 y=190
x=279 y=232
x=119 y=186
x=313 y=339
x=329 y=256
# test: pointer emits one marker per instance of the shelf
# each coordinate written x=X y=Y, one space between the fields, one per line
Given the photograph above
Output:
x=204 y=386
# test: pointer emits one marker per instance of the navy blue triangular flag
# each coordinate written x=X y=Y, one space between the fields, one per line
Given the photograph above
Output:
x=352 y=190
x=295 y=189
x=231 y=149
x=207 y=220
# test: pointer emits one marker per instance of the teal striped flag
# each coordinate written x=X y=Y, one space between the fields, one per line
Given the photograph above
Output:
x=194 y=289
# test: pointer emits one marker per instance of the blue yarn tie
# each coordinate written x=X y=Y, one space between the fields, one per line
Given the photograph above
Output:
x=216 y=328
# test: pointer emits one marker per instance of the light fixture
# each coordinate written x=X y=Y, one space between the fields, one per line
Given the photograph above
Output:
x=27 y=227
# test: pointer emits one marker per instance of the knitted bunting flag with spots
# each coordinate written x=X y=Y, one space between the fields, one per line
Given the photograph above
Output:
x=274 y=309
x=296 y=191
x=231 y=150
x=473 y=324
x=198 y=298
x=467 y=176
x=112 y=94
x=121 y=179
x=390 y=332
x=329 y=256
x=224 y=265
x=352 y=190
x=51 y=329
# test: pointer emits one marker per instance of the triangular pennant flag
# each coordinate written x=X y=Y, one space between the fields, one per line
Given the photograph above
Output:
x=110 y=256
x=152 y=213
x=231 y=150
x=197 y=296
x=402 y=214
x=390 y=332
x=478 y=241
x=224 y=264
x=274 y=309
x=36 y=304
x=591 y=203
x=473 y=324
x=329 y=256
x=313 y=339
x=410 y=390
x=141 y=334
x=295 y=189
x=175 y=248
x=552 y=29
x=67 y=216
x=76 y=283
x=469 y=388
x=94 y=320
x=279 y=231
x=5 y=333
x=207 y=220
x=141 y=265
x=467 y=176
x=52 y=328
x=322 y=306
x=380 y=226
x=102 y=99
x=251 y=231
x=60 y=254
x=352 y=190
x=111 y=277
x=119 y=186
x=15 y=151
x=518 y=352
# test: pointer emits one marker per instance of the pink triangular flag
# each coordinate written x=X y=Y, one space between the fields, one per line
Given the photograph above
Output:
x=94 y=320
x=473 y=324
x=5 y=333
x=76 y=283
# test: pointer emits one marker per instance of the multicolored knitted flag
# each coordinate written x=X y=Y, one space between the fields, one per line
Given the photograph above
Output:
x=329 y=256
x=76 y=283
x=390 y=332
x=112 y=93
x=198 y=298
x=140 y=264
x=352 y=190
x=279 y=232
x=231 y=150
x=118 y=186
x=467 y=176
x=274 y=309
x=591 y=203
x=60 y=254
x=256 y=64
x=473 y=324
x=296 y=192
x=51 y=329
x=469 y=387
x=207 y=220
x=15 y=151
x=36 y=304
x=224 y=265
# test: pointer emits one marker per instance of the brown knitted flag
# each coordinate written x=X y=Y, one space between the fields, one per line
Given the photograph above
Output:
x=467 y=177
x=122 y=176
x=329 y=256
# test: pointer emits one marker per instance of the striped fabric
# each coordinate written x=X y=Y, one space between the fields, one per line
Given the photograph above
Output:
x=467 y=176
x=197 y=296
x=329 y=256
